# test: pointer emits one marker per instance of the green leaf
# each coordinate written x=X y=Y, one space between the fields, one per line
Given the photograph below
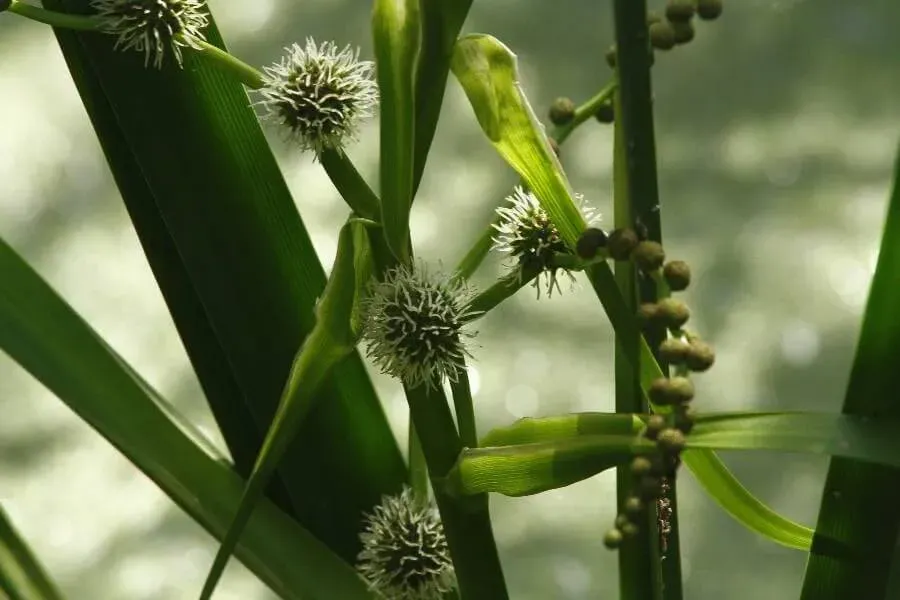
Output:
x=44 y=335
x=237 y=270
x=396 y=32
x=331 y=340
x=21 y=575
x=859 y=521
x=441 y=22
x=487 y=71
x=533 y=430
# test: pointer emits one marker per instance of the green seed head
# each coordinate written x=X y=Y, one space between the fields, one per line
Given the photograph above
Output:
x=613 y=539
x=684 y=418
x=611 y=56
x=673 y=350
x=413 y=325
x=562 y=111
x=641 y=466
x=320 y=94
x=655 y=424
x=680 y=10
x=671 y=391
x=648 y=313
x=633 y=506
x=677 y=274
x=606 y=113
x=153 y=26
x=673 y=313
x=684 y=32
x=590 y=241
x=700 y=356
x=709 y=9
x=662 y=35
x=624 y=524
x=649 y=256
x=671 y=441
x=653 y=17
x=622 y=243
x=405 y=554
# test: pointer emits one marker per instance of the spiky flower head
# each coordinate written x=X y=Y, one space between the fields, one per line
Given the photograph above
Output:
x=153 y=26
x=405 y=554
x=529 y=237
x=414 y=322
x=320 y=93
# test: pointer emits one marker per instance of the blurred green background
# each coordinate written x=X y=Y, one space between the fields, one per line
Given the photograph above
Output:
x=776 y=130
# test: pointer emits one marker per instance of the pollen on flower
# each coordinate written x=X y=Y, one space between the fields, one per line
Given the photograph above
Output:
x=320 y=93
x=414 y=325
x=153 y=26
x=405 y=554
x=529 y=237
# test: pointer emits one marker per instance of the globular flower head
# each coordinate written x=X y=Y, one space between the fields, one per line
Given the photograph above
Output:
x=405 y=554
x=414 y=325
x=320 y=93
x=530 y=238
x=153 y=26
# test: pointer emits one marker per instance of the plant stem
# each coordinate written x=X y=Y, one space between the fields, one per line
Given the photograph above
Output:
x=585 y=112
x=418 y=470
x=350 y=184
x=634 y=115
x=467 y=522
x=246 y=74
x=465 y=411
x=55 y=19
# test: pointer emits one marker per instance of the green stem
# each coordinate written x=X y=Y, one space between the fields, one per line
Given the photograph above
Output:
x=350 y=184
x=55 y=19
x=501 y=290
x=585 y=112
x=246 y=74
x=465 y=411
x=467 y=522
x=418 y=469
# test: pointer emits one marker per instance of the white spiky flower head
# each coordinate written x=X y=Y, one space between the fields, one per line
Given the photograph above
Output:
x=414 y=325
x=153 y=26
x=320 y=93
x=405 y=554
x=529 y=237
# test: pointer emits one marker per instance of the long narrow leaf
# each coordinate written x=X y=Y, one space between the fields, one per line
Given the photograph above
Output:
x=487 y=71
x=856 y=536
x=331 y=340
x=237 y=270
x=396 y=32
x=43 y=334
x=21 y=575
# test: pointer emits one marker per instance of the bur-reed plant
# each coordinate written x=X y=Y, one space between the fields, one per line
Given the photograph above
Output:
x=317 y=500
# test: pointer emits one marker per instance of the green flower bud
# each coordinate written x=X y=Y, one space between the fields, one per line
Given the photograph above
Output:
x=612 y=539
x=653 y=17
x=641 y=466
x=590 y=241
x=649 y=256
x=677 y=274
x=648 y=312
x=611 y=56
x=633 y=506
x=684 y=418
x=709 y=9
x=673 y=350
x=671 y=391
x=606 y=113
x=684 y=32
x=655 y=424
x=673 y=313
x=562 y=111
x=624 y=524
x=662 y=35
x=671 y=441
x=622 y=243
x=700 y=356
x=680 y=10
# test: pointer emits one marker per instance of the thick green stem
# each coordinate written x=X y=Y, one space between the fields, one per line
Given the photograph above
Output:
x=418 y=469
x=246 y=74
x=465 y=411
x=55 y=19
x=350 y=184
x=467 y=522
